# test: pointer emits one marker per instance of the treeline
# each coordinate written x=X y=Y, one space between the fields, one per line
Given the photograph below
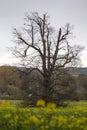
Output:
x=16 y=84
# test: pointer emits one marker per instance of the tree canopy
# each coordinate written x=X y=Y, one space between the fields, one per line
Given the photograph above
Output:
x=45 y=49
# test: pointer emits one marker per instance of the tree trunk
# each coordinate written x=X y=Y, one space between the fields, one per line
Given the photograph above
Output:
x=46 y=92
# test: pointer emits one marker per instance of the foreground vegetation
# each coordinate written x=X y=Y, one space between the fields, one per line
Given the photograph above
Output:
x=48 y=117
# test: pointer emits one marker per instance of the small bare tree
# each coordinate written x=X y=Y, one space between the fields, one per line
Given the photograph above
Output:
x=44 y=49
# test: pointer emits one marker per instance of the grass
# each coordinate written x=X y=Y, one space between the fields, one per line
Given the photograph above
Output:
x=13 y=103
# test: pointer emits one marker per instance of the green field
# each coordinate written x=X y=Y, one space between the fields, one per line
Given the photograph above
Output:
x=49 y=117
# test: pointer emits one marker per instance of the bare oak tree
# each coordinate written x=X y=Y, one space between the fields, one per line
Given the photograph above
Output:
x=44 y=49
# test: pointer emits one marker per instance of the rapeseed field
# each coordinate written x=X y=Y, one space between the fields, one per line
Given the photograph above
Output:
x=43 y=117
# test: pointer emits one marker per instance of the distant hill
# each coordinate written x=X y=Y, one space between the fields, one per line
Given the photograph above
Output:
x=71 y=70
x=77 y=71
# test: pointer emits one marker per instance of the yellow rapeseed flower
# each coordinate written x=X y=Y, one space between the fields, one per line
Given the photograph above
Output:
x=40 y=103
x=8 y=115
x=51 y=105
x=62 y=121
x=34 y=119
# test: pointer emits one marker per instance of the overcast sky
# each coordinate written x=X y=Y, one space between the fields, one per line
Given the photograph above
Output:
x=60 y=12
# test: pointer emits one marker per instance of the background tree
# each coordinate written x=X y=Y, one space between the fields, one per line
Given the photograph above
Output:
x=32 y=84
x=44 y=49
x=10 y=82
x=82 y=87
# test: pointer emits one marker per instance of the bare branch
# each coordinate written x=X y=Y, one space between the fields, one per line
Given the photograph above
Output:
x=49 y=52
